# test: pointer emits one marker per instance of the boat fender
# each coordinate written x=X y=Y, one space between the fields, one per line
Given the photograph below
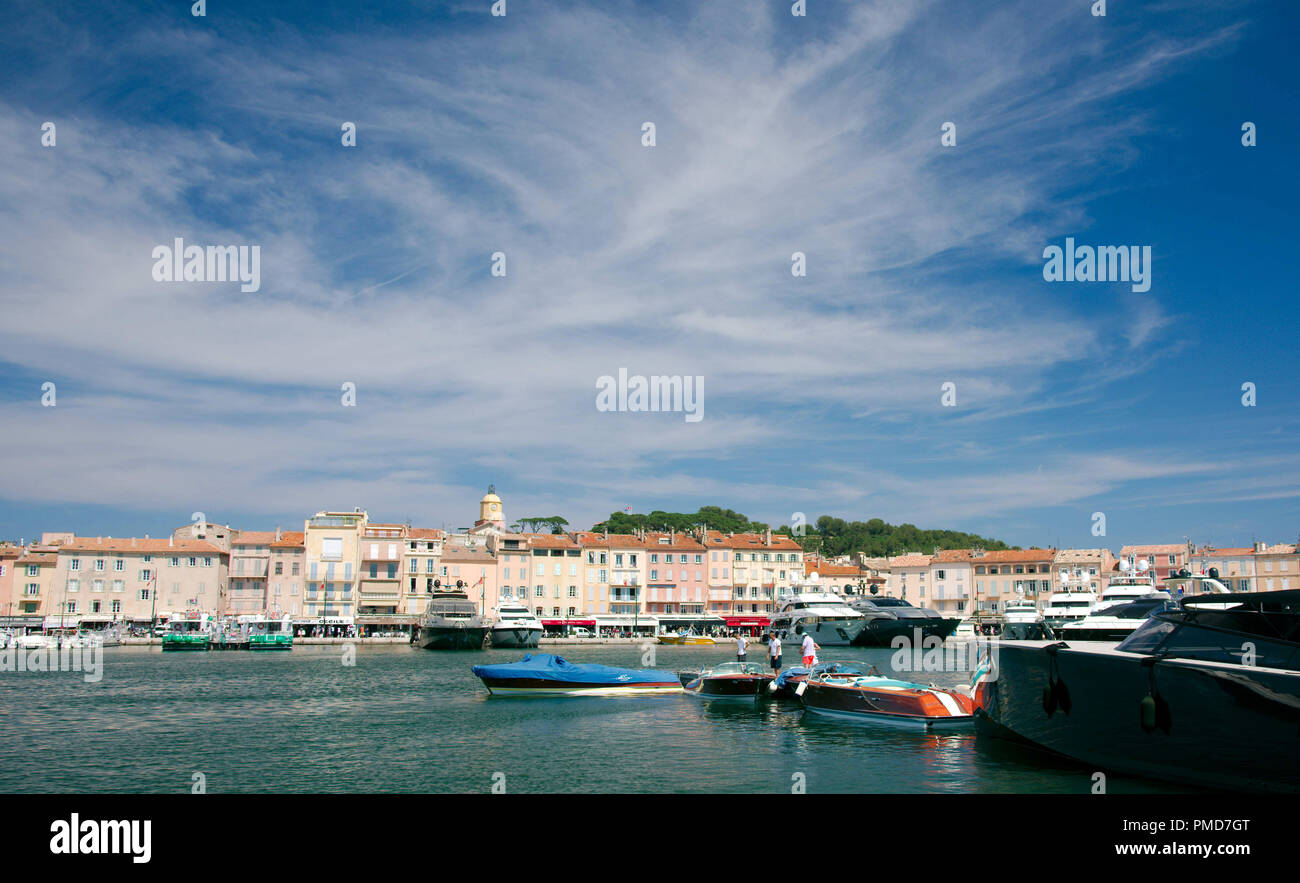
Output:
x=803 y=685
x=771 y=686
x=1147 y=714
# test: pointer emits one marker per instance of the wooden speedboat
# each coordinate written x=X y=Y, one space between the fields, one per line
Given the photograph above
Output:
x=540 y=674
x=877 y=699
x=684 y=638
x=788 y=681
x=730 y=680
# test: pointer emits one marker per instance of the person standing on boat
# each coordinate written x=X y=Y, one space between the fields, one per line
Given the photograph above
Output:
x=774 y=653
x=809 y=651
x=740 y=648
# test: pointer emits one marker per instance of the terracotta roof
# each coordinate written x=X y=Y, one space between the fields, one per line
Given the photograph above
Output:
x=910 y=561
x=39 y=558
x=461 y=555
x=550 y=541
x=1165 y=549
x=255 y=538
x=953 y=555
x=780 y=542
x=424 y=533
x=1277 y=549
x=683 y=542
x=589 y=538
x=1081 y=556
x=824 y=569
x=1210 y=553
x=625 y=541
x=290 y=539
x=135 y=544
x=1015 y=556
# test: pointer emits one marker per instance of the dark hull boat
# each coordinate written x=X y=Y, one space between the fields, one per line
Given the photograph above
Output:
x=889 y=618
x=451 y=622
x=1207 y=695
x=886 y=701
x=541 y=674
x=731 y=680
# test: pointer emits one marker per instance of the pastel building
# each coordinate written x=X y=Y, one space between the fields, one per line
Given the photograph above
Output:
x=475 y=570
x=1081 y=570
x=421 y=568
x=332 y=556
x=34 y=587
x=379 y=585
x=250 y=563
x=9 y=556
x=675 y=574
x=556 y=575
x=951 y=581
x=763 y=568
x=1277 y=567
x=596 y=569
x=627 y=573
x=286 y=580
x=1004 y=576
x=908 y=578
x=1162 y=559
x=138 y=580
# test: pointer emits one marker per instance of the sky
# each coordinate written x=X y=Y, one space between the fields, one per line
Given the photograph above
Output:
x=774 y=134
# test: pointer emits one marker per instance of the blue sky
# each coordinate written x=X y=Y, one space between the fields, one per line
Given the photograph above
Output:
x=775 y=134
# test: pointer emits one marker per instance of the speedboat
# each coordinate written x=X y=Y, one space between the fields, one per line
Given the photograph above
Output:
x=1207 y=694
x=541 y=674
x=1067 y=606
x=515 y=626
x=879 y=699
x=730 y=680
x=684 y=638
x=451 y=622
x=31 y=641
x=890 y=617
x=786 y=684
x=824 y=615
x=1115 y=622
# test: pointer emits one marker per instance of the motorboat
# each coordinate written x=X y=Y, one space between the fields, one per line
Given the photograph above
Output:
x=680 y=638
x=515 y=626
x=824 y=615
x=787 y=682
x=885 y=700
x=32 y=641
x=1067 y=606
x=1123 y=589
x=1115 y=622
x=730 y=680
x=1206 y=694
x=187 y=633
x=451 y=621
x=269 y=634
x=889 y=617
x=540 y=674
x=1022 y=621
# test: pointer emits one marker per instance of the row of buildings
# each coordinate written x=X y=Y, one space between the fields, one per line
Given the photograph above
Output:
x=344 y=569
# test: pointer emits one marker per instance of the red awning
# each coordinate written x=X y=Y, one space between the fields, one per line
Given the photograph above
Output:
x=745 y=620
x=562 y=622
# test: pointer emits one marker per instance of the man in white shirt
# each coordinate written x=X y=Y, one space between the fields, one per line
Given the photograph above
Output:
x=774 y=653
x=741 y=644
x=809 y=651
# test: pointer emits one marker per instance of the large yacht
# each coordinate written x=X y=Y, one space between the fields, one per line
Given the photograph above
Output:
x=888 y=617
x=1067 y=606
x=807 y=610
x=451 y=622
x=1168 y=702
x=1022 y=621
x=1131 y=586
x=515 y=626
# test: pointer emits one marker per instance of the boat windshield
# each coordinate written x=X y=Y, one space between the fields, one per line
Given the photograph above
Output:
x=889 y=602
x=737 y=668
x=1261 y=630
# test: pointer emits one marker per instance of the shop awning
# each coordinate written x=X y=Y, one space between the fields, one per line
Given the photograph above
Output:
x=586 y=623
x=739 y=621
x=61 y=621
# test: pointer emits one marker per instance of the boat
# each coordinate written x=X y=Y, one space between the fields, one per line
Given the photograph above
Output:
x=1123 y=589
x=1207 y=694
x=687 y=638
x=1115 y=622
x=269 y=634
x=1021 y=621
x=188 y=633
x=1067 y=606
x=515 y=626
x=31 y=641
x=885 y=700
x=824 y=615
x=786 y=684
x=889 y=617
x=451 y=622
x=730 y=680
x=540 y=674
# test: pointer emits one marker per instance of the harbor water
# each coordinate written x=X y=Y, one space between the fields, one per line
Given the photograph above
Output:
x=406 y=720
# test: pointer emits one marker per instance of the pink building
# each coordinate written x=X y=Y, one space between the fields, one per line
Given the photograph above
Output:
x=676 y=581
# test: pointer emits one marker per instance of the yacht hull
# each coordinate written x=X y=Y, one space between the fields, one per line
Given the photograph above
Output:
x=515 y=637
x=826 y=632
x=916 y=708
x=729 y=686
x=450 y=637
x=881 y=632
x=1208 y=724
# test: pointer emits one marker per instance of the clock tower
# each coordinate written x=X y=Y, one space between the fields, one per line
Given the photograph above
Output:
x=489 y=511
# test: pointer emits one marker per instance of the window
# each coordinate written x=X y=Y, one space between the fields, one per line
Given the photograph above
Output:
x=119 y=565
x=331 y=549
x=74 y=564
x=99 y=565
x=74 y=585
x=146 y=575
x=33 y=588
x=279 y=568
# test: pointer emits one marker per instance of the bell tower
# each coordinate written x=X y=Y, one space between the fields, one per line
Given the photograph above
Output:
x=489 y=510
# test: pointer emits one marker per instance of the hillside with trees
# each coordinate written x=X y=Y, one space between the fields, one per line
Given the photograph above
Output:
x=828 y=536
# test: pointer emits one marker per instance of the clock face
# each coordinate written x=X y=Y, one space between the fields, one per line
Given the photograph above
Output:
x=494 y=507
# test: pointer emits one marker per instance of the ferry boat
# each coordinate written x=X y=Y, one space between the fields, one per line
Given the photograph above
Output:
x=269 y=634
x=1169 y=700
x=824 y=615
x=730 y=680
x=879 y=699
x=888 y=617
x=515 y=626
x=541 y=674
x=187 y=633
x=451 y=622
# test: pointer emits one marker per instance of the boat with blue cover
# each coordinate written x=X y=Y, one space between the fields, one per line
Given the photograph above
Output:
x=540 y=674
x=788 y=681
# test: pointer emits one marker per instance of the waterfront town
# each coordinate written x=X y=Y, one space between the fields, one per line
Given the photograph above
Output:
x=345 y=573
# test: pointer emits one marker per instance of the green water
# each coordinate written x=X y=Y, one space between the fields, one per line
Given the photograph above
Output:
x=409 y=720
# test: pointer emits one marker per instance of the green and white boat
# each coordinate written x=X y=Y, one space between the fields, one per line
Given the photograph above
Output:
x=268 y=634
x=190 y=632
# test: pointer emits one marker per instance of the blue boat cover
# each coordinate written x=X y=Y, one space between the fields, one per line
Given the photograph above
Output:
x=543 y=666
x=787 y=673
